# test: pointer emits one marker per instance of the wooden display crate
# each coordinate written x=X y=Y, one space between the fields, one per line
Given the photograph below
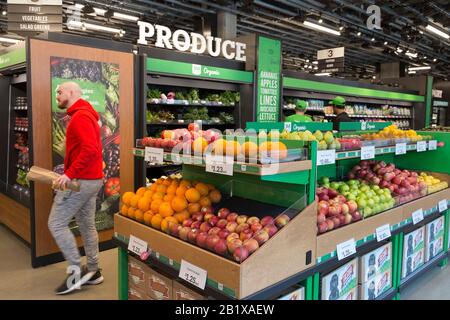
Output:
x=290 y=251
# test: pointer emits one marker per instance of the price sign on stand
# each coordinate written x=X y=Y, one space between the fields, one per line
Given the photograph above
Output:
x=219 y=165
x=421 y=146
x=137 y=245
x=443 y=206
x=417 y=216
x=400 y=148
x=432 y=145
x=193 y=274
x=154 y=155
x=367 y=152
x=325 y=157
x=346 y=249
x=383 y=232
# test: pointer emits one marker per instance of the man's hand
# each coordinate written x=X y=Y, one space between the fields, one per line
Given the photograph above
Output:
x=61 y=182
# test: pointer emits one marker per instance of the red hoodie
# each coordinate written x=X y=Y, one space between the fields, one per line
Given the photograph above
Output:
x=83 y=144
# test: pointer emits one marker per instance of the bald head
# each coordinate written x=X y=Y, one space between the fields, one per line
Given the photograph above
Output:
x=67 y=94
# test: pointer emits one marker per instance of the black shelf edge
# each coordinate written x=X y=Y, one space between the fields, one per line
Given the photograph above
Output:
x=153 y=263
x=191 y=105
x=425 y=268
x=388 y=295
x=186 y=123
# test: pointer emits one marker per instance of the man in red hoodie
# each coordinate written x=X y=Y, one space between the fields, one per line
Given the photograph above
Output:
x=83 y=162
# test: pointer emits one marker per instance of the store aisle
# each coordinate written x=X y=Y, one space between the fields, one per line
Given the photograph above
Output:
x=18 y=280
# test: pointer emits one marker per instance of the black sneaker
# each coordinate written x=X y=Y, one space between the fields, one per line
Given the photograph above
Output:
x=72 y=282
x=97 y=278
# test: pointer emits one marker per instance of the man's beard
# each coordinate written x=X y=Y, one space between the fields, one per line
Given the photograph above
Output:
x=62 y=105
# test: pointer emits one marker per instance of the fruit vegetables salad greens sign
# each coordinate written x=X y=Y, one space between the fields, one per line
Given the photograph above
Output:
x=100 y=85
x=268 y=83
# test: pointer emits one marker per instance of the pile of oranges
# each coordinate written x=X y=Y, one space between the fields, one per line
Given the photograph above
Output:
x=393 y=132
x=168 y=200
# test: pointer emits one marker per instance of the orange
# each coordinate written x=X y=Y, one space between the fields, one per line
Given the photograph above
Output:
x=185 y=183
x=156 y=221
x=219 y=147
x=194 y=208
x=148 y=194
x=175 y=183
x=265 y=147
x=192 y=195
x=202 y=189
x=161 y=188
x=140 y=192
x=205 y=202
x=278 y=150
x=233 y=148
x=144 y=204
x=181 y=216
x=250 y=149
x=126 y=198
x=124 y=210
x=168 y=197
x=215 y=196
x=172 y=189
x=179 y=204
x=134 y=201
x=155 y=205
x=167 y=182
x=167 y=222
x=130 y=212
x=199 y=145
x=153 y=187
x=210 y=187
x=181 y=191
x=158 y=195
x=148 y=217
x=165 y=209
x=139 y=216
x=159 y=181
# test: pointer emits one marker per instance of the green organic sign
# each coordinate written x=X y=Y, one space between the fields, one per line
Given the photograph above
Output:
x=291 y=126
x=269 y=77
x=301 y=84
x=93 y=92
x=363 y=126
x=12 y=58
x=198 y=70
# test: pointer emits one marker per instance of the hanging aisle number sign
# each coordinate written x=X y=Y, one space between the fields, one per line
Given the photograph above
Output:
x=432 y=145
x=325 y=157
x=193 y=274
x=154 y=155
x=367 y=152
x=219 y=165
x=137 y=245
x=421 y=146
x=346 y=249
x=400 y=148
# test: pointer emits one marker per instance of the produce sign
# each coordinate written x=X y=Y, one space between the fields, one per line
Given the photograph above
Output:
x=100 y=84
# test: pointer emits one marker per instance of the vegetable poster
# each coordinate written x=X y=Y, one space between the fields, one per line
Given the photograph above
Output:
x=100 y=85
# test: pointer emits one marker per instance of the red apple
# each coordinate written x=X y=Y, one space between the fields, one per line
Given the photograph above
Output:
x=206 y=210
x=333 y=210
x=240 y=254
x=183 y=233
x=242 y=227
x=213 y=220
x=330 y=224
x=221 y=247
x=336 y=221
x=323 y=207
x=270 y=229
x=205 y=227
x=256 y=227
x=356 y=216
x=251 y=245
x=222 y=223
x=348 y=218
x=212 y=241
x=241 y=219
x=282 y=220
x=196 y=224
x=332 y=193
x=214 y=231
x=341 y=218
x=341 y=199
x=231 y=226
x=187 y=222
x=232 y=216
x=352 y=206
x=193 y=126
x=252 y=220
x=197 y=217
x=223 y=234
x=345 y=208
x=266 y=220
x=321 y=218
x=174 y=229
x=201 y=239
x=261 y=236
x=223 y=213
x=208 y=216
x=322 y=227
x=233 y=245
x=246 y=234
x=232 y=236
x=192 y=235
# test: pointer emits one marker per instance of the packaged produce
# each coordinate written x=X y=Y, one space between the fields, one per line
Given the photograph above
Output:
x=434 y=238
x=413 y=251
x=341 y=284
x=433 y=184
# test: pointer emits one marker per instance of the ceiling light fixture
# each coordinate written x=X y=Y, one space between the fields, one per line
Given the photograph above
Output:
x=4 y=12
x=385 y=43
x=123 y=16
x=322 y=74
x=307 y=60
x=434 y=60
x=321 y=28
x=341 y=28
x=373 y=39
x=419 y=68
x=320 y=20
x=410 y=54
x=399 y=50
x=359 y=34
x=437 y=31
x=315 y=62
x=9 y=40
x=89 y=26
x=412 y=72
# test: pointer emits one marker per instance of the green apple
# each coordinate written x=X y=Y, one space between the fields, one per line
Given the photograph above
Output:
x=351 y=196
x=325 y=180
x=334 y=185
x=354 y=187
x=375 y=187
x=371 y=202
x=364 y=188
x=344 y=188
x=368 y=212
x=361 y=203
x=376 y=199
x=383 y=198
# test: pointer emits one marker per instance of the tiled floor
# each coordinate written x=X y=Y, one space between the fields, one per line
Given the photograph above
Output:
x=18 y=280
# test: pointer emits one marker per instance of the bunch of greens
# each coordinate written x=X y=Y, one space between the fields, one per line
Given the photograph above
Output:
x=213 y=97
x=226 y=117
x=196 y=114
x=192 y=95
x=179 y=96
x=229 y=97
x=153 y=94
x=22 y=178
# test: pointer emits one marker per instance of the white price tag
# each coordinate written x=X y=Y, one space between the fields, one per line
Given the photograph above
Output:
x=219 y=165
x=171 y=262
x=367 y=152
x=325 y=157
x=154 y=155
x=443 y=206
x=432 y=145
x=137 y=245
x=220 y=286
x=157 y=254
x=346 y=249
x=400 y=148
x=421 y=146
x=383 y=232
x=417 y=216
x=288 y=126
x=193 y=274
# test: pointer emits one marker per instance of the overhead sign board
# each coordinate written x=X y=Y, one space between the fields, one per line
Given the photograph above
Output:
x=331 y=60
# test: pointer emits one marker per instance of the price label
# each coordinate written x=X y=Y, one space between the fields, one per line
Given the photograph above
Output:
x=219 y=165
x=421 y=146
x=288 y=126
x=383 y=232
x=137 y=245
x=193 y=274
x=154 y=155
x=346 y=249
x=443 y=206
x=400 y=148
x=417 y=216
x=171 y=262
x=367 y=152
x=325 y=157
x=432 y=145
